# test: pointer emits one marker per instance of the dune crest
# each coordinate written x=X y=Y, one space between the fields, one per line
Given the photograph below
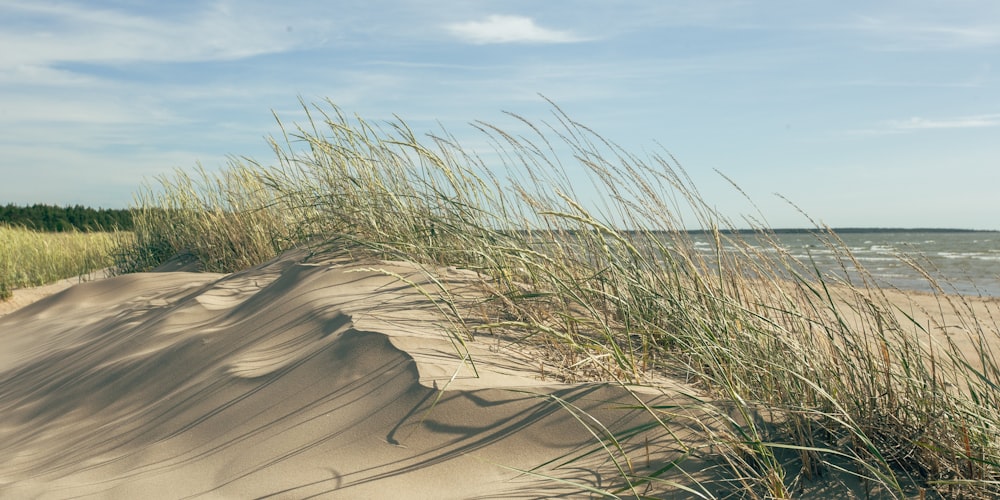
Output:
x=289 y=380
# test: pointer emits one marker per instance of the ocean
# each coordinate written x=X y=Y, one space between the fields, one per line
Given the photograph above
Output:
x=960 y=261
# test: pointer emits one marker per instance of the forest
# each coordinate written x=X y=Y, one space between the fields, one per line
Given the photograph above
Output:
x=52 y=218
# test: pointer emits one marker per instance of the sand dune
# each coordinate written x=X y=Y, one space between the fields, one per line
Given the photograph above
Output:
x=292 y=380
x=24 y=296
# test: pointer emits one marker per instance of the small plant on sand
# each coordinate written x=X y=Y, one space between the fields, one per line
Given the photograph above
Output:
x=811 y=376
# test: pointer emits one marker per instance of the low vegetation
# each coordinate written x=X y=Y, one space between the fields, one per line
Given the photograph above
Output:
x=812 y=377
x=32 y=258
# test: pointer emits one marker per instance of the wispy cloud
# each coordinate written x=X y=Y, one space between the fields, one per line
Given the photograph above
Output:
x=975 y=81
x=509 y=29
x=916 y=124
x=101 y=66
x=75 y=33
x=923 y=35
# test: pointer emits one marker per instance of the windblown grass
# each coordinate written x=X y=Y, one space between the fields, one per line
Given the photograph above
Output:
x=31 y=258
x=226 y=221
x=813 y=376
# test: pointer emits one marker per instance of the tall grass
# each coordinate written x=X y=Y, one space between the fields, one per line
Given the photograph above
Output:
x=813 y=376
x=32 y=258
x=226 y=221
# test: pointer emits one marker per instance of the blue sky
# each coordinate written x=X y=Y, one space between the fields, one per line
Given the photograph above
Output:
x=863 y=113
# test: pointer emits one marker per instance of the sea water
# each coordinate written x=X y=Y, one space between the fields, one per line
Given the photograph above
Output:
x=958 y=262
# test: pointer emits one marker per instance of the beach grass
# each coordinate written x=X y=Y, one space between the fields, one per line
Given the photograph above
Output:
x=32 y=258
x=812 y=376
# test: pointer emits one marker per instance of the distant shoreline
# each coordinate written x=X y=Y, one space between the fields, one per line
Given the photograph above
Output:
x=836 y=230
x=846 y=230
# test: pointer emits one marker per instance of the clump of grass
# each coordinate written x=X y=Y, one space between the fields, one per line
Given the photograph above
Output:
x=226 y=221
x=32 y=258
x=812 y=375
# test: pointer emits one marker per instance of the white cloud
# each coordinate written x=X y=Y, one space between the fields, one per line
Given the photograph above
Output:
x=509 y=29
x=917 y=123
x=36 y=75
x=924 y=35
x=52 y=33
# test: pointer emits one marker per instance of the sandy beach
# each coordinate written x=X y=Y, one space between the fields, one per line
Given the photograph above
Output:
x=311 y=379
x=293 y=380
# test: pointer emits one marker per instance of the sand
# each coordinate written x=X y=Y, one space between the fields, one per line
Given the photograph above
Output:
x=966 y=322
x=24 y=296
x=298 y=380
x=322 y=379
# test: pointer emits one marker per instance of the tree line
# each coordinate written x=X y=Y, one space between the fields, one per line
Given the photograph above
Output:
x=41 y=217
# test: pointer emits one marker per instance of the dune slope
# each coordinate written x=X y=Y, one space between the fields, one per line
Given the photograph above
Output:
x=290 y=380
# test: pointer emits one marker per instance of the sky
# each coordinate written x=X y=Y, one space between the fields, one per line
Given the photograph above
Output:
x=874 y=113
